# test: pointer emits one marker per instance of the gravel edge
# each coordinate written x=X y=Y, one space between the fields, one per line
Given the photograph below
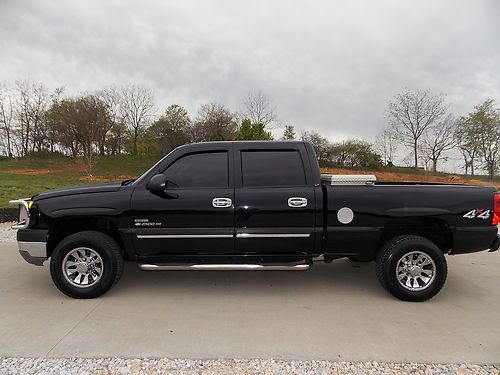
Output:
x=6 y=233
x=69 y=366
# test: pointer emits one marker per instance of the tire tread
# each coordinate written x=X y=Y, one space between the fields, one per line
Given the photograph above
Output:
x=381 y=264
x=103 y=240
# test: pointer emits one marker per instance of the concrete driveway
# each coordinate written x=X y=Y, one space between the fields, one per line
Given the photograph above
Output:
x=335 y=311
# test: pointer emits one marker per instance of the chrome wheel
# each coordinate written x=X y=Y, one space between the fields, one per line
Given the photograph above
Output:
x=82 y=267
x=415 y=271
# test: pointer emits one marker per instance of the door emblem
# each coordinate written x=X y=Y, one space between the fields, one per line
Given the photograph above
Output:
x=297 y=202
x=222 y=202
x=146 y=223
x=345 y=215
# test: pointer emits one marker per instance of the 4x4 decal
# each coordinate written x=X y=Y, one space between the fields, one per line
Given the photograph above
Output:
x=478 y=213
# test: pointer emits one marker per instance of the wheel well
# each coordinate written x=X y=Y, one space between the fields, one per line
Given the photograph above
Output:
x=65 y=228
x=435 y=230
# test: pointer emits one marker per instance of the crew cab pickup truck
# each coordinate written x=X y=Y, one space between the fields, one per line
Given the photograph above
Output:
x=254 y=206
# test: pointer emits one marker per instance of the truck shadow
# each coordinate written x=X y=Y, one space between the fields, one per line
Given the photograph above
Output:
x=339 y=277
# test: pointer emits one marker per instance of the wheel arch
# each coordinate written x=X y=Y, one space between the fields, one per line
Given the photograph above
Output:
x=68 y=226
x=433 y=229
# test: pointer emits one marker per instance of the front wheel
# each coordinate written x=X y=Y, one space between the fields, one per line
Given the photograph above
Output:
x=86 y=264
x=411 y=268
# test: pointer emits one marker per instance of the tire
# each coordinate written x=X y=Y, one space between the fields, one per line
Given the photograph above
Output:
x=102 y=267
x=407 y=257
x=360 y=260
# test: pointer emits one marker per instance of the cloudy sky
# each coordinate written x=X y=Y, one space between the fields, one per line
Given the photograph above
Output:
x=331 y=66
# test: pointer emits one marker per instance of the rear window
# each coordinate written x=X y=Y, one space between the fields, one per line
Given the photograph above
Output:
x=272 y=168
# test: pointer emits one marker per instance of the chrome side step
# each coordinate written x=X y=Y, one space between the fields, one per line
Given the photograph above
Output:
x=223 y=267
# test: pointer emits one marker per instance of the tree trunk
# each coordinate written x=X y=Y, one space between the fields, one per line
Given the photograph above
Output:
x=136 y=135
x=415 y=153
x=102 y=146
x=9 y=147
x=434 y=165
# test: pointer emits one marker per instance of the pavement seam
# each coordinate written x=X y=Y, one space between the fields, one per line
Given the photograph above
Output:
x=74 y=327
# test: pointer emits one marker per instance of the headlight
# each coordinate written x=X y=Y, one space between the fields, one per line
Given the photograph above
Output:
x=24 y=213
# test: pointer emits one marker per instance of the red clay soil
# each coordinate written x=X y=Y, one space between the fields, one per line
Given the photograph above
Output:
x=31 y=172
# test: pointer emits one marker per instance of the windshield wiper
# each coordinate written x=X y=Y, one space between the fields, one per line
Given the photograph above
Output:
x=128 y=181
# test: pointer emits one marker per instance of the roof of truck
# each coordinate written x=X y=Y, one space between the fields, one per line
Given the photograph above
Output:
x=249 y=142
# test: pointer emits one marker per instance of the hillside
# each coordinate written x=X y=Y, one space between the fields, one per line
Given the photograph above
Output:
x=27 y=176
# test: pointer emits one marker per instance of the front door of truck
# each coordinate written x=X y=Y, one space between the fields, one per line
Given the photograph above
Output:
x=274 y=200
x=196 y=215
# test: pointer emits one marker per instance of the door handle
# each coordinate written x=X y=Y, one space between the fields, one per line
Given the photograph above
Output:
x=297 y=202
x=222 y=202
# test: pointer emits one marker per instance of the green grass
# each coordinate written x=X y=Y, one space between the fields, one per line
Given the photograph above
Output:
x=60 y=171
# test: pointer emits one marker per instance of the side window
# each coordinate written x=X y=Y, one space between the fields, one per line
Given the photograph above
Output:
x=272 y=168
x=207 y=169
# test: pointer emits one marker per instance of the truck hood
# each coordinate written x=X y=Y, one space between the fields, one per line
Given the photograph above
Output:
x=84 y=189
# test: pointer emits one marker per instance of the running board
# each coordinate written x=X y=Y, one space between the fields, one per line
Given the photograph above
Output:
x=223 y=267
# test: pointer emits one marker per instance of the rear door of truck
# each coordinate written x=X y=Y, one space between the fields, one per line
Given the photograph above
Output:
x=275 y=203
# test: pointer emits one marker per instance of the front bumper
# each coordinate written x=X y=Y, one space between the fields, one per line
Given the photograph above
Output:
x=32 y=245
x=33 y=252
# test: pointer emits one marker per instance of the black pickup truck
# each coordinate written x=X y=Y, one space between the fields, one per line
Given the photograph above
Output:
x=254 y=206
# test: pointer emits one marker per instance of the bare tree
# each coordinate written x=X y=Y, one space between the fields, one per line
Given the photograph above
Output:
x=468 y=142
x=136 y=108
x=258 y=108
x=78 y=124
x=412 y=112
x=110 y=96
x=50 y=134
x=32 y=101
x=214 y=123
x=386 y=143
x=94 y=119
x=438 y=139
x=7 y=120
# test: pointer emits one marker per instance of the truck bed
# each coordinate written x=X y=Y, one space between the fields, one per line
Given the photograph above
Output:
x=433 y=209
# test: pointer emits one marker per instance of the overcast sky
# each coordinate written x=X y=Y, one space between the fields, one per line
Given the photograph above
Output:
x=331 y=66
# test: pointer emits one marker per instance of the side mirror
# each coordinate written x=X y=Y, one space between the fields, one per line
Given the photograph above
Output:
x=159 y=185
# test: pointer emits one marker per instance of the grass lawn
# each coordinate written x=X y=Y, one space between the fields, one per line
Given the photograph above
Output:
x=24 y=177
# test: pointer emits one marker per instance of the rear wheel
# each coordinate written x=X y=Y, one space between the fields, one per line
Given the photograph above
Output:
x=411 y=268
x=86 y=264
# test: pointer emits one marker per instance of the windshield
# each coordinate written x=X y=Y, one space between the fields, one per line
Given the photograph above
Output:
x=141 y=178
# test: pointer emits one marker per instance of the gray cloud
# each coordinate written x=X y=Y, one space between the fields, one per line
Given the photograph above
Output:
x=328 y=66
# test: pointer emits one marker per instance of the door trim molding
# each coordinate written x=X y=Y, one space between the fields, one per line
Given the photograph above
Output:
x=151 y=236
x=273 y=235
x=239 y=235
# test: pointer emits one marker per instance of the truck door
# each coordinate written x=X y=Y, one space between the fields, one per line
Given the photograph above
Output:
x=274 y=199
x=197 y=215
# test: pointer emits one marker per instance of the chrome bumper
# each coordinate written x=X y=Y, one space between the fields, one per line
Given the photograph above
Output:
x=33 y=252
